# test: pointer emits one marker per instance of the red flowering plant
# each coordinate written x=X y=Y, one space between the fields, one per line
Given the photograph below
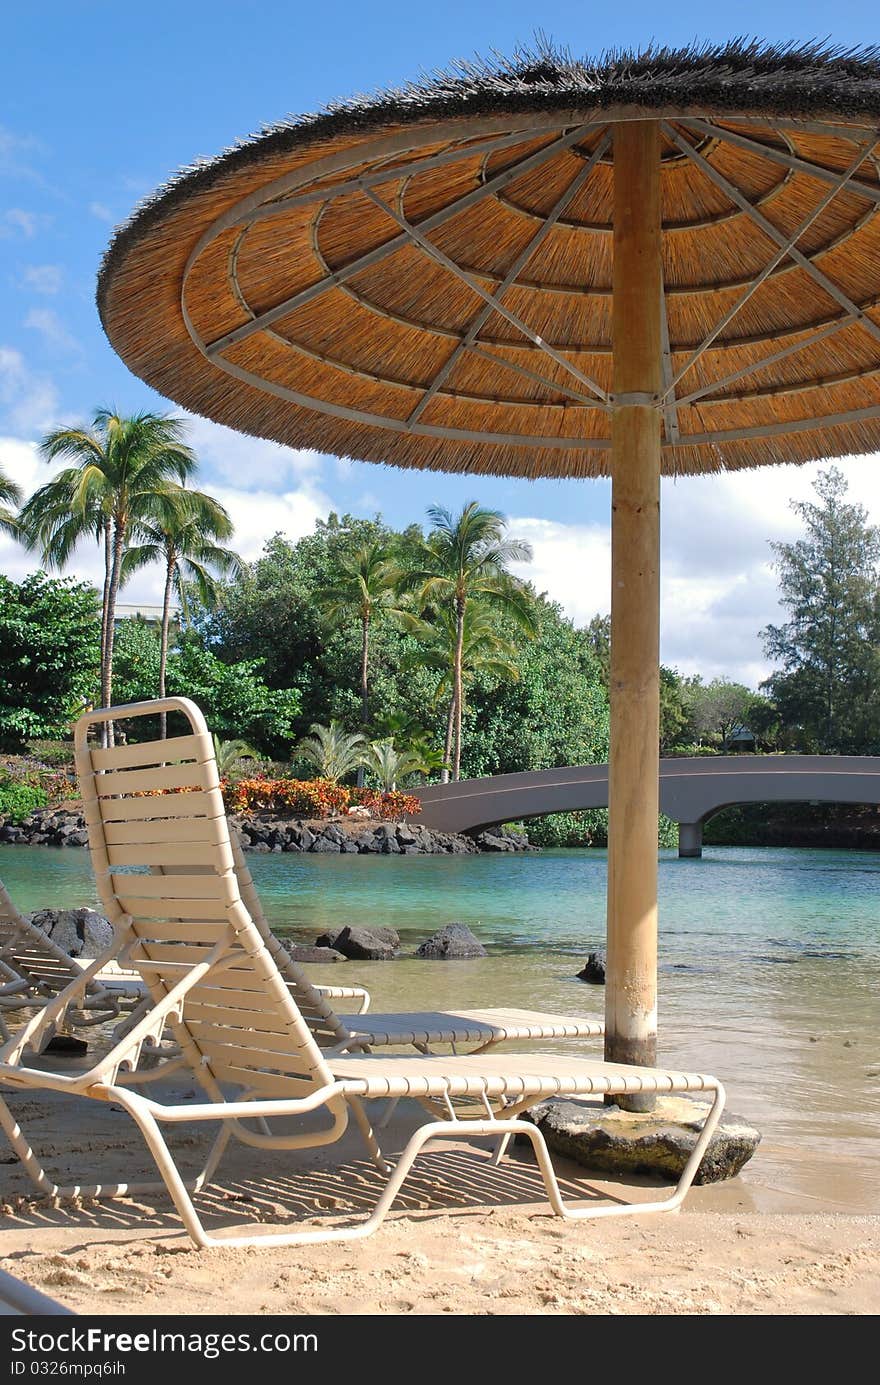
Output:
x=390 y=806
x=304 y=798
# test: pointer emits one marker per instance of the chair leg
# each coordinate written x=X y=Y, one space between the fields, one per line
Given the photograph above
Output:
x=22 y=1148
x=667 y=1204
x=362 y=1122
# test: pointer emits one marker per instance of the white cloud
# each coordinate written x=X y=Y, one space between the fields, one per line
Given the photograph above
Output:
x=252 y=463
x=43 y=278
x=102 y=212
x=28 y=399
x=18 y=222
x=53 y=331
x=257 y=514
x=15 y=154
x=718 y=588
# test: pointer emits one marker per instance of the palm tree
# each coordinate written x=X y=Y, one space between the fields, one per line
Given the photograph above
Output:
x=466 y=559
x=479 y=649
x=390 y=764
x=119 y=465
x=366 y=583
x=10 y=494
x=228 y=753
x=332 y=750
x=180 y=534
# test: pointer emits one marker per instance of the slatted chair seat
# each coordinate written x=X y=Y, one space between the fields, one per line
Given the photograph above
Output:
x=211 y=977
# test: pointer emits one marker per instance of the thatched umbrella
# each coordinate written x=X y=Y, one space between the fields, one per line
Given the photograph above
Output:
x=667 y=263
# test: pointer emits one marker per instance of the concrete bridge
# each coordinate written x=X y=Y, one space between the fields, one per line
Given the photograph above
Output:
x=691 y=790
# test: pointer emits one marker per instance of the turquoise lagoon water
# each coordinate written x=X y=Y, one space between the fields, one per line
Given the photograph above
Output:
x=769 y=970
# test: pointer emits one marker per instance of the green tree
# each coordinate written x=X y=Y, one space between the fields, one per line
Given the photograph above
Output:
x=366 y=582
x=719 y=707
x=233 y=696
x=119 y=466
x=10 y=494
x=554 y=713
x=273 y=613
x=471 y=646
x=185 y=532
x=598 y=634
x=333 y=751
x=827 y=649
x=49 y=655
x=467 y=558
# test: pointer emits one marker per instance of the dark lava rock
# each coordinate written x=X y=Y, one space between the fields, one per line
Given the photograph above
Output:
x=323 y=843
x=594 y=969
x=363 y=944
x=301 y=952
x=657 y=1142
x=80 y=932
x=452 y=943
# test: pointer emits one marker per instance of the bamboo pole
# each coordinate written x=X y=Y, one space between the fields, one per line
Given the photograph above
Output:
x=631 y=987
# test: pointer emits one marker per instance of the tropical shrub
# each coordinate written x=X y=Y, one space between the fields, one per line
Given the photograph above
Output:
x=587 y=827
x=313 y=798
x=18 y=800
x=304 y=798
x=390 y=806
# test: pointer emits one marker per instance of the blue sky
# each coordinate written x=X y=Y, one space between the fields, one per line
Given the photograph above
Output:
x=101 y=100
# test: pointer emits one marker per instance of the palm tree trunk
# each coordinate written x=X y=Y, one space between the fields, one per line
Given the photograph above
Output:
x=365 y=686
x=112 y=593
x=105 y=595
x=459 y=644
x=447 y=744
x=163 y=652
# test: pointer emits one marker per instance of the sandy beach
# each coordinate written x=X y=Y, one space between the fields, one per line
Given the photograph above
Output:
x=746 y=1247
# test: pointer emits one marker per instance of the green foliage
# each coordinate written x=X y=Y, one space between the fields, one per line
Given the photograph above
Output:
x=18 y=801
x=588 y=827
x=718 y=708
x=49 y=655
x=235 y=700
x=554 y=713
x=333 y=751
x=828 y=648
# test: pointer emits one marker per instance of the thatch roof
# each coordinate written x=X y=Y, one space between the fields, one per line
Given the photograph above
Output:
x=233 y=290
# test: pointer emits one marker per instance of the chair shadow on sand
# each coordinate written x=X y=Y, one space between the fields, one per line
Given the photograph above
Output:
x=253 y=1186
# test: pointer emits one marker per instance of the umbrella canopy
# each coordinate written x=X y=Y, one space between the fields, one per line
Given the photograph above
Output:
x=425 y=278
x=658 y=263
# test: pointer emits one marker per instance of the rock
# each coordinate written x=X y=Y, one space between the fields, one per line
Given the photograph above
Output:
x=452 y=943
x=80 y=932
x=594 y=969
x=301 y=952
x=657 y=1142
x=405 y=835
x=367 y=943
x=489 y=841
x=323 y=843
x=385 y=838
x=363 y=944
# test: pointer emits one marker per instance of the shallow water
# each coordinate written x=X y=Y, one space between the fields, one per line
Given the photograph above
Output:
x=770 y=970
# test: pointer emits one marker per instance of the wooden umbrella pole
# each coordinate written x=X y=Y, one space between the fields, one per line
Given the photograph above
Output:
x=631 y=986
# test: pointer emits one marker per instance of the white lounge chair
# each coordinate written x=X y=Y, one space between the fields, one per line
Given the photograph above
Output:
x=476 y=1029
x=214 y=980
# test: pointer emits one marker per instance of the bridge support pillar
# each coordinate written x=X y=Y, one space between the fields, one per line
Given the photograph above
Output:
x=634 y=761
x=690 y=839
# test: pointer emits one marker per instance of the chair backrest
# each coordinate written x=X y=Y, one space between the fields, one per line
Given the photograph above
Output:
x=165 y=872
x=26 y=951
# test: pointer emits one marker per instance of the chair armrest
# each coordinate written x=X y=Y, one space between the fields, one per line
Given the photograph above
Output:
x=348 y=993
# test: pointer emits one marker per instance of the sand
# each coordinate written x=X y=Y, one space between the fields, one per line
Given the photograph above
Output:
x=738 y=1248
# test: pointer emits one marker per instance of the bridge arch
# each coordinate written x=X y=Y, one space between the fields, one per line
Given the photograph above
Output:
x=691 y=790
